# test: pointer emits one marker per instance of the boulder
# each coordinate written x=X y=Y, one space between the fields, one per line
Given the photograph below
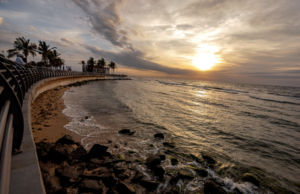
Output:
x=67 y=139
x=79 y=154
x=169 y=144
x=68 y=176
x=43 y=168
x=158 y=171
x=118 y=169
x=174 y=179
x=185 y=175
x=58 y=154
x=247 y=177
x=42 y=155
x=208 y=158
x=137 y=177
x=45 y=146
x=91 y=166
x=125 y=188
x=149 y=185
x=159 y=135
x=200 y=171
x=92 y=186
x=108 y=179
x=153 y=161
x=211 y=187
x=196 y=158
x=97 y=151
x=174 y=161
x=161 y=156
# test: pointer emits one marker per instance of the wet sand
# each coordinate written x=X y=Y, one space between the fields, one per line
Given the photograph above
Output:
x=47 y=117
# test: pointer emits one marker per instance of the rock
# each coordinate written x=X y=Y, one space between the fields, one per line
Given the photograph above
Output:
x=176 y=190
x=169 y=144
x=69 y=176
x=158 y=171
x=43 y=168
x=58 y=154
x=174 y=161
x=79 y=154
x=211 y=187
x=45 y=146
x=109 y=179
x=119 y=169
x=124 y=131
x=58 y=172
x=123 y=176
x=137 y=177
x=131 y=133
x=121 y=157
x=208 y=158
x=174 y=179
x=122 y=187
x=197 y=159
x=131 y=152
x=200 y=171
x=149 y=185
x=161 y=156
x=153 y=161
x=91 y=166
x=159 y=135
x=247 y=177
x=185 y=175
x=95 y=161
x=89 y=186
x=42 y=156
x=67 y=139
x=139 y=160
x=97 y=151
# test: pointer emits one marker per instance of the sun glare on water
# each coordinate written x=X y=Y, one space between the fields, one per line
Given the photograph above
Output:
x=204 y=61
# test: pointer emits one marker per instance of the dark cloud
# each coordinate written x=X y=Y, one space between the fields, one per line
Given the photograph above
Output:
x=66 y=40
x=105 y=19
x=134 y=59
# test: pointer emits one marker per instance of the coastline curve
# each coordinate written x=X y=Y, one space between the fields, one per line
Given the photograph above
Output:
x=25 y=175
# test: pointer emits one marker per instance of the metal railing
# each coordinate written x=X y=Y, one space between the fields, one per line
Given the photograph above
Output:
x=15 y=80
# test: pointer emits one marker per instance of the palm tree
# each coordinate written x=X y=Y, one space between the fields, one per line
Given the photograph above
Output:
x=60 y=62
x=3 y=54
x=54 y=58
x=101 y=63
x=44 y=50
x=113 y=66
x=32 y=63
x=24 y=46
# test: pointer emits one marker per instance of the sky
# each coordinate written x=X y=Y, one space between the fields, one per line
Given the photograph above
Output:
x=240 y=41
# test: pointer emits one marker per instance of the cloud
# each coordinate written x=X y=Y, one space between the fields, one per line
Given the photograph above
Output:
x=4 y=23
x=8 y=37
x=105 y=19
x=4 y=1
x=32 y=28
x=134 y=59
x=66 y=40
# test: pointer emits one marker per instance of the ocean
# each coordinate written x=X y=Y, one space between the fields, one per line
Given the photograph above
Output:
x=240 y=125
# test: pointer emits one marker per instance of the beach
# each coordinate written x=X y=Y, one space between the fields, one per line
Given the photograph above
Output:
x=47 y=118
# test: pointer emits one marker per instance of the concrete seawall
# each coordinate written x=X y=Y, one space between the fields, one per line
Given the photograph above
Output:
x=25 y=176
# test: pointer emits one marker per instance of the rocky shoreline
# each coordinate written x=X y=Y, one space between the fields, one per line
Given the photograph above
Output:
x=68 y=168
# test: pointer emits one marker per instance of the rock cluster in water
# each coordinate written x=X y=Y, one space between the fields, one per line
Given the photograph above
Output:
x=67 y=167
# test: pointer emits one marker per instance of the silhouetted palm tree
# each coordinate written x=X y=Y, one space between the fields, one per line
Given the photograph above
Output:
x=24 y=46
x=101 y=63
x=91 y=61
x=44 y=50
x=54 y=58
x=113 y=66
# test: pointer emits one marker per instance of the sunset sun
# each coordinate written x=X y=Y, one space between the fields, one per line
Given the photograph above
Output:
x=204 y=61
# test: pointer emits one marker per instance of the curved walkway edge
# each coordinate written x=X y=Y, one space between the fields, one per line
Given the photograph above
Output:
x=25 y=176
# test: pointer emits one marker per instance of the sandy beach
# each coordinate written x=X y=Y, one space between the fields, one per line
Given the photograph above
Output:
x=47 y=118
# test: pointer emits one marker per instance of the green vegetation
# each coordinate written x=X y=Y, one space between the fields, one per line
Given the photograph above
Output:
x=121 y=157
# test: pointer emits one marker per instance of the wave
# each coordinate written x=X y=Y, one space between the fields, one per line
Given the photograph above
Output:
x=277 y=101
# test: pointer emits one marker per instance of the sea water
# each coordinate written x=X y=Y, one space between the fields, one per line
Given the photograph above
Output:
x=240 y=124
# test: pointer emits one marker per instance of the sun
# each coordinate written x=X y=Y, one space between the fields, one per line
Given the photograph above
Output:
x=204 y=61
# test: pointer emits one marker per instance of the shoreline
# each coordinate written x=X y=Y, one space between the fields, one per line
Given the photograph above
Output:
x=47 y=115
x=47 y=118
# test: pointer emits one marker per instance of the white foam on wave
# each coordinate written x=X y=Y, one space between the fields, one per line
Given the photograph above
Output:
x=82 y=123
